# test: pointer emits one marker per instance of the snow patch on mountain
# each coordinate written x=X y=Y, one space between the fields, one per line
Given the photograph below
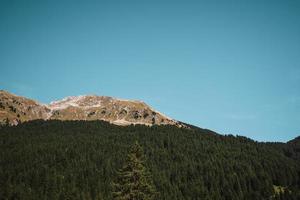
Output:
x=74 y=101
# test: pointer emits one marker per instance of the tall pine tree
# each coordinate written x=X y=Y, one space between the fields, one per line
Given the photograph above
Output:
x=134 y=181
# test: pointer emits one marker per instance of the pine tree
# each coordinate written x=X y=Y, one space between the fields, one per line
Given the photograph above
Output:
x=134 y=181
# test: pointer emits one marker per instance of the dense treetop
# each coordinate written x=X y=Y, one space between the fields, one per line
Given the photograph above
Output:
x=80 y=160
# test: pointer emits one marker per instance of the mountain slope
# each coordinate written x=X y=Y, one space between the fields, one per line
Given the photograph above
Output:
x=79 y=160
x=291 y=149
x=15 y=109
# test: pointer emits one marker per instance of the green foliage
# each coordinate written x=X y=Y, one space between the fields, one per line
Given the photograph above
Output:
x=133 y=180
x=79 y=159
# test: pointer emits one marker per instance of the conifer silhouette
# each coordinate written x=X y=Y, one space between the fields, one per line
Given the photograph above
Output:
x=133 y=180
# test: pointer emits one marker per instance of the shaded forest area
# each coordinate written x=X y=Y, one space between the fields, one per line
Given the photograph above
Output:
x=79 y=160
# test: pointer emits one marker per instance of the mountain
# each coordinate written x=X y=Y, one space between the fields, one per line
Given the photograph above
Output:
x=291 y=149
x=57 y=159
x=16 y=109
x=72 y=149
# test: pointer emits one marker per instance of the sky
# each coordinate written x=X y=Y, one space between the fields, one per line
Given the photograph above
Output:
x=229 y=66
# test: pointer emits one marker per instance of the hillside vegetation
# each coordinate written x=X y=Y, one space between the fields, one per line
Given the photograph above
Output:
x=80 y=159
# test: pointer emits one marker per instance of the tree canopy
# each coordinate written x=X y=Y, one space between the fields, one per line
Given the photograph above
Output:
x=79 y=159
x=134 y=182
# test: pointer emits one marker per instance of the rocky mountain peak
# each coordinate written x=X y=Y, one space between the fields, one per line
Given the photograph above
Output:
x=15 y=109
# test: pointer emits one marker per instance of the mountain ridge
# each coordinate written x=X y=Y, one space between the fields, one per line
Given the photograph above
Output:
x=16 y=109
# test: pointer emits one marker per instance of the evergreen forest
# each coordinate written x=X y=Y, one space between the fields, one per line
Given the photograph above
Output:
x=89 y=159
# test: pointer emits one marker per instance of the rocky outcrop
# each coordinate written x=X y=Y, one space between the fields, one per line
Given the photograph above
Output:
x=15 y=109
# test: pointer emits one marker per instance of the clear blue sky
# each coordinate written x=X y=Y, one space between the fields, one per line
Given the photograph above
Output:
x=230 y=66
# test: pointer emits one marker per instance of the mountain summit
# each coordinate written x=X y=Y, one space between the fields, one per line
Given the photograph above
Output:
x=16 y=109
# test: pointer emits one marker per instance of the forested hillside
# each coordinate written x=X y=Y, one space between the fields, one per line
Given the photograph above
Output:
x=290 y=149
x=79 y=160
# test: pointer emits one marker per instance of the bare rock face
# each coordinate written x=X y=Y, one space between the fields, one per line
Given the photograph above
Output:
x=15 y=109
